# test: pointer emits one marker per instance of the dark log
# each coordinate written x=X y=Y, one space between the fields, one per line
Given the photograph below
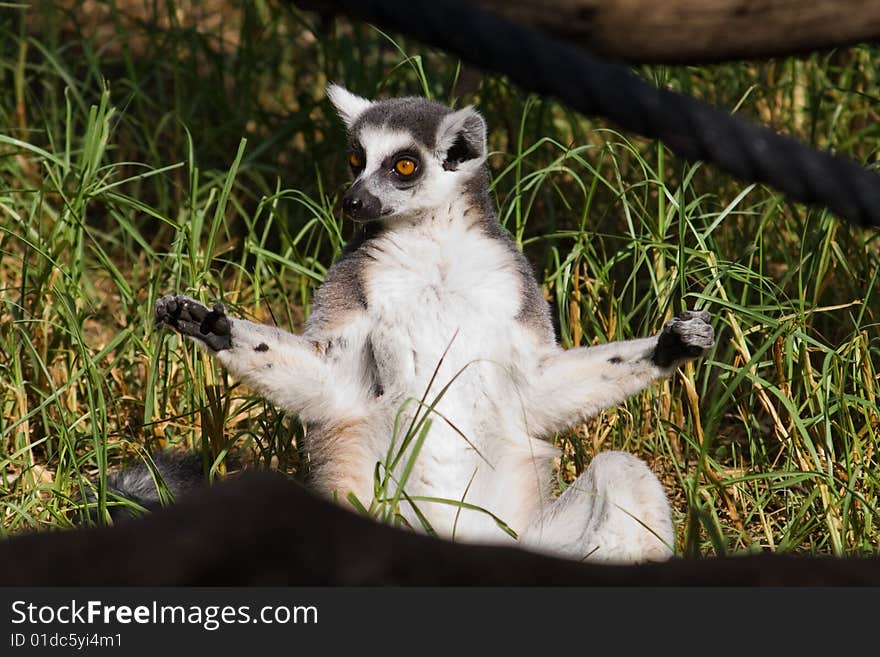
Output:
x=698 y=31
x=266 y=530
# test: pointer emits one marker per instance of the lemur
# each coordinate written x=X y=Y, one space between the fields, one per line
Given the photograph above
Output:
x=436 y=297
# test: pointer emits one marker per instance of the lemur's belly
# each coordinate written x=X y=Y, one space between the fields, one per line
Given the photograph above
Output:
x=456 y=460
x=444 y=313
x=447 y=333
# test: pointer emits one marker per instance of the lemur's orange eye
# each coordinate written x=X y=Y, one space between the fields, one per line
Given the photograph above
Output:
x=405 y=166
x=355 y=160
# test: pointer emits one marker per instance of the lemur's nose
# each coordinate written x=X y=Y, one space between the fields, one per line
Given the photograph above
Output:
x=360 y=205
x=351 y=206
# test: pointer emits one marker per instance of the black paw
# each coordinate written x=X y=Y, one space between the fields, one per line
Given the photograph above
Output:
x=684 y=337
x=189 y=317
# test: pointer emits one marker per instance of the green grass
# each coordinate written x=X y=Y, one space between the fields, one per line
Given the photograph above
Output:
x=144 y=155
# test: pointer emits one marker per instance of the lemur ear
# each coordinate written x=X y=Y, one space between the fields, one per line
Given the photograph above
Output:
x=461 y=139
x=349 y=106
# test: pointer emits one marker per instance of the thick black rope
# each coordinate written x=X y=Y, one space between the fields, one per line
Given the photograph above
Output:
x=692 y=128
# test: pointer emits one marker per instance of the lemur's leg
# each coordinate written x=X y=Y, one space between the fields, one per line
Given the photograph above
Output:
x=287 y=369
x=578 y=383
x=616 y=511
x=340 y=461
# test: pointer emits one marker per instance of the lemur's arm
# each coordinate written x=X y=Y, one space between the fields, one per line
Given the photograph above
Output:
x=288 y=370
x=578 y=383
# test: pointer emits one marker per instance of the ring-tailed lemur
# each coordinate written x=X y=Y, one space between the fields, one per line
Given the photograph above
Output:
x=436 y=294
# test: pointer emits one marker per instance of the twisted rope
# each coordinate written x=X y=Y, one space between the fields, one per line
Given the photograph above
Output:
x=692 y=128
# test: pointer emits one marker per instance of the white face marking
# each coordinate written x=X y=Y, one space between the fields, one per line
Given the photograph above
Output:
x=435 y=189
x=381 y=143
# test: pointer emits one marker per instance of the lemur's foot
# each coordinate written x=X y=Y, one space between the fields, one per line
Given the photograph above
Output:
x=684 y=337
x=189 y=317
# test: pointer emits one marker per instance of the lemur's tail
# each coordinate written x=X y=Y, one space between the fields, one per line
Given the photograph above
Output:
x=153 y=483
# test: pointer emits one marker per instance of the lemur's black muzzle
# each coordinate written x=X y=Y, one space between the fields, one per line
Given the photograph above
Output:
x=360 y=205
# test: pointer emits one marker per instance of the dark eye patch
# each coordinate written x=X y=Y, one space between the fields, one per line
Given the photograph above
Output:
x=357 y=158
x=390 y=163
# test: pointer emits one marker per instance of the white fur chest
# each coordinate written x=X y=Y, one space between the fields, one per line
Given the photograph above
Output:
x=438 y=289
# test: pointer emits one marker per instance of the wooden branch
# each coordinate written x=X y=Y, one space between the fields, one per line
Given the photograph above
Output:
x=699 y=31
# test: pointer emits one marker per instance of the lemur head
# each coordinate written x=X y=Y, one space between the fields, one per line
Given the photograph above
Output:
x=409 y=156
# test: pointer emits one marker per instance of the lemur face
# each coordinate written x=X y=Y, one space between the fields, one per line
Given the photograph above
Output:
x=409 y=156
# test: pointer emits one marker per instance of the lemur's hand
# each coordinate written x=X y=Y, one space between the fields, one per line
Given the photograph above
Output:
x=189 y=317
x=684 y=337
